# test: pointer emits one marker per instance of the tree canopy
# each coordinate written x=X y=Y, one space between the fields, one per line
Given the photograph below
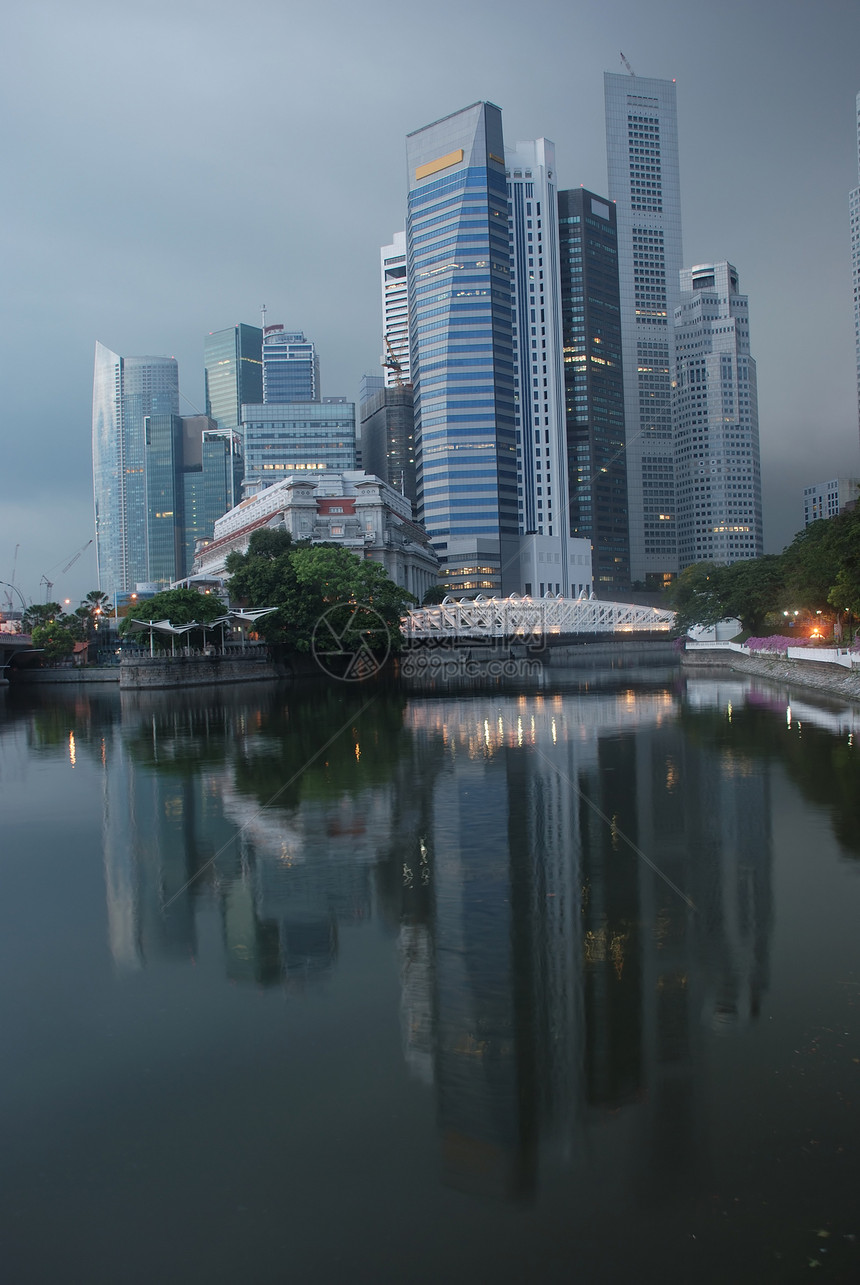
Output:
x=179 y=606
x=818 y=572
x=306 y=582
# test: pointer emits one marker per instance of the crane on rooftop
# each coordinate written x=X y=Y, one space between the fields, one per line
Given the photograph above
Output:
x=391 y=362
x=627 y=64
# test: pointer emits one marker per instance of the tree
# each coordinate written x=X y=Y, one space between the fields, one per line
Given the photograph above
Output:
x=40 y=613
x=305 y=582
x=752 y=589
x=179 y=606
x=695 y=597
x=435 y=594
x=54 y=640
x=266 y=577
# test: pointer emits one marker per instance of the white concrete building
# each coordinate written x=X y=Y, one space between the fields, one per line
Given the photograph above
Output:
x=550 y=562
x=395 y=312
x=644 y=183
x=826 y=499
x=352 y=509
x=717 y=461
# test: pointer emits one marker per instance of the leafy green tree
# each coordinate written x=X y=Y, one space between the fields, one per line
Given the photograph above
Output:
x=695 y=596
x=305 y=582
x=266 y=577
x=435 y=594
x=179 y=606
x=751 y=590
x=54 y=640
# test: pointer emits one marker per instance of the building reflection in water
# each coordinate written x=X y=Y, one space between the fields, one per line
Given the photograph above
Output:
x=553 y=987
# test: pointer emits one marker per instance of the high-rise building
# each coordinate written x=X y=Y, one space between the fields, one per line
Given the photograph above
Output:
x=395 y=312
x=126 y=391
x=854 y=214
x=296 y=437
x=190 y=483
x=644 y=183
x=461 y=348
x=828 y=499
x=717 y=462
x=211 y=482
x=546 y=554
x=291 y=368
x=388 y=438
x=233 y=373
x=594 y=383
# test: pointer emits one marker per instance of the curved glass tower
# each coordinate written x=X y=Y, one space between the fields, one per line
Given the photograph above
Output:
x=126 y=390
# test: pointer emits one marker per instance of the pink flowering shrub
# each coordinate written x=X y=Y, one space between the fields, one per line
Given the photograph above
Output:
x=776 y=642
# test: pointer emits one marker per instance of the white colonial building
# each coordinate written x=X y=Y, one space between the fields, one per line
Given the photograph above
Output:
x=354 y=509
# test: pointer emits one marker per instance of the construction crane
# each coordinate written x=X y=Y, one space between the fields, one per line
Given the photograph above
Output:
x=391 y=361
x=627 y=65
x=49 y=584
x=74 y=559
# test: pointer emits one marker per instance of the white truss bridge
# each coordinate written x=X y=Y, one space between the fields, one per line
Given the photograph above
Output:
x=526 y=619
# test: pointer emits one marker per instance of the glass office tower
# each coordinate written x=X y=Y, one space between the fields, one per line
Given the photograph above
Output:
x=291 y=368
x=644 y=183
x=126 y=390
x=233 y=373
x=461 y=348
x=594 y=384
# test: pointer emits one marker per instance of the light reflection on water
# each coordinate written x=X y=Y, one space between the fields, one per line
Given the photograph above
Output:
x=527 y=863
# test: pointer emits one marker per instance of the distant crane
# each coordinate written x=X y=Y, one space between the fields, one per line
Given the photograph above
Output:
x=391 y=362
x=627 y=65
x=74 y=559
x=49 y=584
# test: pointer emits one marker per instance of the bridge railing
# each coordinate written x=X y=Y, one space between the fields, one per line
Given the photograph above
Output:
x=527 y=619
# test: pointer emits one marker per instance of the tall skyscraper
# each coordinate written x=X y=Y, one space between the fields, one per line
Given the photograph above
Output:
x=233 y=373
x=717 y=463
x=126 y=390
x=854 y=213
x=594 y=383
x=644 y=183
x=461 y=348
x=395 y=312
x=291 y=368
x=542 y=463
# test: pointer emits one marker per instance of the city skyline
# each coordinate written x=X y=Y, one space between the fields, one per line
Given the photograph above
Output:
x=764 y=177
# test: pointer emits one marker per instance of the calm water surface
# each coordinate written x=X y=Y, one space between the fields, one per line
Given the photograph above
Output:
x=327 y=985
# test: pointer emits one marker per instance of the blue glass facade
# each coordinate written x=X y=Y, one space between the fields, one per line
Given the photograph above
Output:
x=290 y=367
x=126 y=390
x=461 y=347
x=233 y=372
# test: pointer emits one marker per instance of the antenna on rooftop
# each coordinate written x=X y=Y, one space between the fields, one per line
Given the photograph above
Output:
x=627 y=65
x=263 y=314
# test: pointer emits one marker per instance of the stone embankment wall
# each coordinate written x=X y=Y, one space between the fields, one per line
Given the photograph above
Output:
x=832 y=679
x=195 y=671
x=69 y=674
x=615 y=649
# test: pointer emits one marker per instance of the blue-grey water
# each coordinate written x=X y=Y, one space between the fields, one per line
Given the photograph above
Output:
x=332 y=983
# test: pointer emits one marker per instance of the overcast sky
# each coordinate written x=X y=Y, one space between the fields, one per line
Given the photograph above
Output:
x=171 y=165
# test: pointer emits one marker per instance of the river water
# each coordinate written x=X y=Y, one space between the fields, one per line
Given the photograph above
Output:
x=361 y=983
